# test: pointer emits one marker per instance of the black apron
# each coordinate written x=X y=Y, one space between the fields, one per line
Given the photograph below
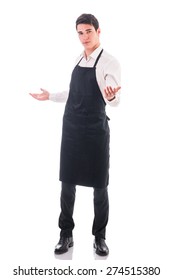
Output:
x=84 y=158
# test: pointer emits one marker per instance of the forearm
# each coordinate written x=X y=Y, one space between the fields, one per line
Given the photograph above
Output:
x=60 y=97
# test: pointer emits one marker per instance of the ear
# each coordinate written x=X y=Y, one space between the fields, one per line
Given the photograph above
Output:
x=98 y=31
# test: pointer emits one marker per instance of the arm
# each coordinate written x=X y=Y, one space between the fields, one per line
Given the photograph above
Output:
x=59 y=97
x=46 y=95
x=112 y=83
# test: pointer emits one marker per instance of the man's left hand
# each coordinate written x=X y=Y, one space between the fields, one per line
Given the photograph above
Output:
x=110 y=93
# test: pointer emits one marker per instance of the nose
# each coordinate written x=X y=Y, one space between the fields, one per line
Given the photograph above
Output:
x=85 y=36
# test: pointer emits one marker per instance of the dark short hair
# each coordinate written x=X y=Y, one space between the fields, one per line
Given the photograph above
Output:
x=87 y=19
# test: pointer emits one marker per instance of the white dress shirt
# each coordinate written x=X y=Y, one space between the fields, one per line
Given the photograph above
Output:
x=108 y=73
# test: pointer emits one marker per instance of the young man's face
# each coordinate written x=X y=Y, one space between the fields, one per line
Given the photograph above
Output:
x=88 y=36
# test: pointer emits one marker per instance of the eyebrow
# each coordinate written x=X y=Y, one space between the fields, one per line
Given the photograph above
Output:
x=89 y=29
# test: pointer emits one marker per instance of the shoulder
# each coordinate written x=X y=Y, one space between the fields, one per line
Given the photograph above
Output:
x=78 y=58
x=109 y=58
x=109 y=63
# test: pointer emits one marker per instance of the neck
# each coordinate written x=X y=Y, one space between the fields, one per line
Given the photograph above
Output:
x=87 y=52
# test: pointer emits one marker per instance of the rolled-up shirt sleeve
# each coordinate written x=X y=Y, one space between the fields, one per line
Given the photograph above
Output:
x=60 y=97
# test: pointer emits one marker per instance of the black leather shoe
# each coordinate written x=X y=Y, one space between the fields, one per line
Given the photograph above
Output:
x=101 y=247
x=63 y=245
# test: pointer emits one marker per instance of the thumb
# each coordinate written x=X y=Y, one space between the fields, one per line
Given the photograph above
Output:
x=42 y=89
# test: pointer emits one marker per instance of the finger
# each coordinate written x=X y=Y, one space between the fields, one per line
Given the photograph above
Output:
x=113 y=90
x=43 y=90
x=35 y=95
x=117 y=89
x=108 y=90
x=32 y=94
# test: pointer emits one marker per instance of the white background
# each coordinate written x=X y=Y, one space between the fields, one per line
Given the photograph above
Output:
x=38 y=48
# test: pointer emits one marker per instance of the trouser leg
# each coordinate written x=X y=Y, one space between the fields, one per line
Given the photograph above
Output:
x=101 y=212
x=67 y=201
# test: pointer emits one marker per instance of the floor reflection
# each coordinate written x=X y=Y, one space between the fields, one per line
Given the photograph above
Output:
x=66 y=256
x=69 y=255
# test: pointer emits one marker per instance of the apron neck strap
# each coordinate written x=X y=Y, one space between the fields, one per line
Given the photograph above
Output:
x=98 y=58
x=80 y=60
x=95 y=61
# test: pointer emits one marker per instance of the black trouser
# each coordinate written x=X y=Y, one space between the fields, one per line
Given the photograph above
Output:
x=101 y=211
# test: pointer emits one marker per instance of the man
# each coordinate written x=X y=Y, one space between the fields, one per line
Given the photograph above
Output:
x=84 y=158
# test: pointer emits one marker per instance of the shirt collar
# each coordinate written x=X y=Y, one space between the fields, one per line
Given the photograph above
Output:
x=94 y=54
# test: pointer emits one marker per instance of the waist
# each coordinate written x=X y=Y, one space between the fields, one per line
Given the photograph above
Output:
x=83 y=113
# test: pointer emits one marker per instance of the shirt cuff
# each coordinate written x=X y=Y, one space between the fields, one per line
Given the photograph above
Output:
x=114 y=101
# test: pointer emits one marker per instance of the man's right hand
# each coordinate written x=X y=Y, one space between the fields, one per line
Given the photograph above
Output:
x=41 y=96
